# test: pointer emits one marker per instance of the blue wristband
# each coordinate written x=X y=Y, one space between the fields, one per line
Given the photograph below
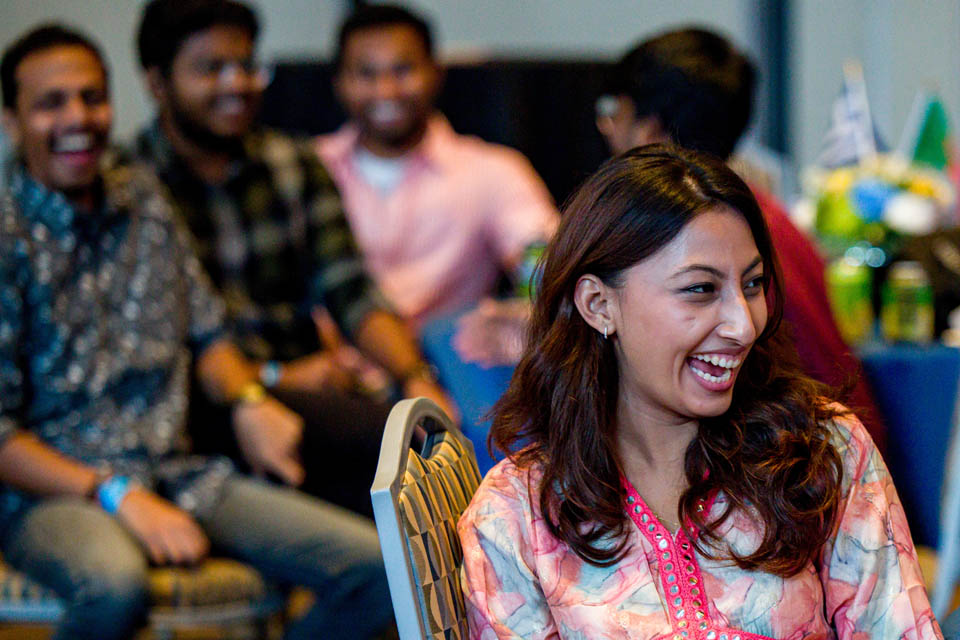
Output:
x=270 y=373
x=112 y=492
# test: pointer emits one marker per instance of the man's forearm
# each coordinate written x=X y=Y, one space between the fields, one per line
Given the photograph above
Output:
x=224 y=371
x=385 y=339
x=34 y=467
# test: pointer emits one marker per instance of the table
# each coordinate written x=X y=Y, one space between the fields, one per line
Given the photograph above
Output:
x=916 y=389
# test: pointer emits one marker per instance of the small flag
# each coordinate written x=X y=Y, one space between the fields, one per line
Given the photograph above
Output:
x=926 y=136
x=851 y=137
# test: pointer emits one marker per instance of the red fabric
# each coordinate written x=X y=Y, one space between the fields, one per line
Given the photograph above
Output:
x=823 y=353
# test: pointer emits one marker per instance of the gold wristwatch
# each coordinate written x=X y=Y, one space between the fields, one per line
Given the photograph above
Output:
x=251 y=393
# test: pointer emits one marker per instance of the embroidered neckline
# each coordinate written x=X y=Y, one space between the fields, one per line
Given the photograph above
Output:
x=687 y=606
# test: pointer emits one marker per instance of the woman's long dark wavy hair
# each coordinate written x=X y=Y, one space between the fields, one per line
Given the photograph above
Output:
x=770 y=453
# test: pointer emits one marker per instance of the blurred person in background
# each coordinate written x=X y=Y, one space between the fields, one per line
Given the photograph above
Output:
x=103 y=305
x=438 y=216
x=270 y=229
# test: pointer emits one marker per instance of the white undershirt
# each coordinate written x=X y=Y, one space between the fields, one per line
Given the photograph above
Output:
x=383 y=174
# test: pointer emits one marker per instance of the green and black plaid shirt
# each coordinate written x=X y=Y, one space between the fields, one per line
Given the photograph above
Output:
x=273 y=238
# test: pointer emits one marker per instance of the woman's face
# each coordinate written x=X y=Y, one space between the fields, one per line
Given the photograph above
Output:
x=687 y=316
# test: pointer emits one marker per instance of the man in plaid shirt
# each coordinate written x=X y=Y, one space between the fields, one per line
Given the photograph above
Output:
x=270 y=229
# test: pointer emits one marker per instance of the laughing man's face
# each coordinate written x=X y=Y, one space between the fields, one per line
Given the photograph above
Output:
x=62 y=116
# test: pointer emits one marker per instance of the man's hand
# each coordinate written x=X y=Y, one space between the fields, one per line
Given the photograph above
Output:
x=315 y=372
x=364 y=374
x=269 y=437
x=170 y=535
x=493 y=333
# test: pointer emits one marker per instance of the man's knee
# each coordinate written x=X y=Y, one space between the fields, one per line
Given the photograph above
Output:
x=88 y=558
x=111 y=587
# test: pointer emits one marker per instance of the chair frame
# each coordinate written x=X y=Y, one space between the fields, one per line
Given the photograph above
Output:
x=401 y=425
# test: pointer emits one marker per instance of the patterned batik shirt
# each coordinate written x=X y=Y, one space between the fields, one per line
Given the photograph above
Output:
x=274 y=239
x=99 y=314
x=519 y=581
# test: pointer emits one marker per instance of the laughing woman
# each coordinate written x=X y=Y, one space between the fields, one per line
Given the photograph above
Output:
x=679 y=478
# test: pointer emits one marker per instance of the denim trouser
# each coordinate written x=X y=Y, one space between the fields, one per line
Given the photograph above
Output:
x=100 y=570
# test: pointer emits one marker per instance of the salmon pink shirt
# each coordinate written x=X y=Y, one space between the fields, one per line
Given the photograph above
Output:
x=521 y=582
x=463 y=212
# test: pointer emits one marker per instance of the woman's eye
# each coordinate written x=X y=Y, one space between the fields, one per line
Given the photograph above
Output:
x=703 y=287
x=754 y=283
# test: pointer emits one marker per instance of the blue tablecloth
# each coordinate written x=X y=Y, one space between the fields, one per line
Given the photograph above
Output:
x=915 y=388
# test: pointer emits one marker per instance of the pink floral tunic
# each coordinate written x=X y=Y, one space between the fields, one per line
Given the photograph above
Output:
x=521 y=582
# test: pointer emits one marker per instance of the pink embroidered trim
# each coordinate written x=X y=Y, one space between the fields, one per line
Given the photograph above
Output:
x=687 y=604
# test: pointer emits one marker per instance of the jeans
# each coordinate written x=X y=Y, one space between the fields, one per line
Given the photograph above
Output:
x=100 y=569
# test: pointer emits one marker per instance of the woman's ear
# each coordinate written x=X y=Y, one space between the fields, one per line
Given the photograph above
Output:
x=596 y=303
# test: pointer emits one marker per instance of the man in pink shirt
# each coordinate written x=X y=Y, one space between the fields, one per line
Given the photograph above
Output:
x=438 y=216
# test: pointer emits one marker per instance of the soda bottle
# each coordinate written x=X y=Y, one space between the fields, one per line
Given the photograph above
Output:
x=849 y=285
x=907 y=311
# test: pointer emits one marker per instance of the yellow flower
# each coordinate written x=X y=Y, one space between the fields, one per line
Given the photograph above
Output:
x=839 y=181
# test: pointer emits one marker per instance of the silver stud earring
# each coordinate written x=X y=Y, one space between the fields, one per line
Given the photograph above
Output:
x=604 y=332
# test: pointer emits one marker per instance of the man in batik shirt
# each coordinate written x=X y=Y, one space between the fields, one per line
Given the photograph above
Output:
x=102 y=306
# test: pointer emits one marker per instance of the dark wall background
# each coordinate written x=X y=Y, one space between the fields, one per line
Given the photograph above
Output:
x=544 y=109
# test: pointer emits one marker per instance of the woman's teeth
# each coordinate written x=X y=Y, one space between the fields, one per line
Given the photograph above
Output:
x=728 y=364
x=719 y=361
x=710 y=378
